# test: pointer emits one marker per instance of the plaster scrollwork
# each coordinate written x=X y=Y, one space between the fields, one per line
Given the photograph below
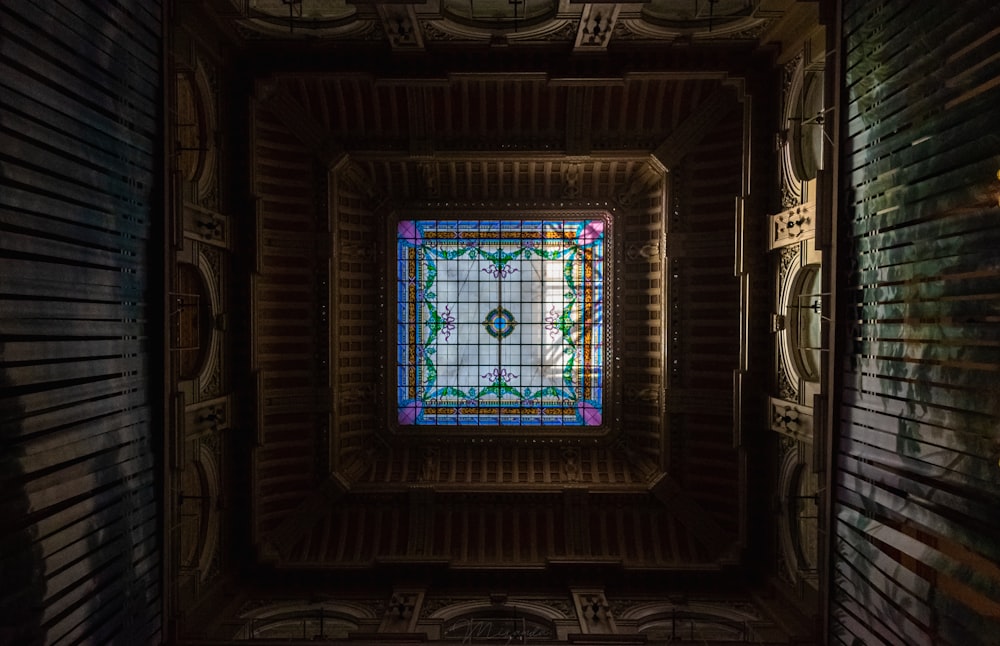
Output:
x=622 y=31
x=753 y=32
x=645 y=395
x=788 y=260
x=791 y=193
x=570 y=464
x=355 y=177
x=785 y=386
x=571 y=173
x=431 y=606
x=650 y=250
x=429 y=465
x=434 y=31
x=560 y=605
x=561 y=30
x=788 y=74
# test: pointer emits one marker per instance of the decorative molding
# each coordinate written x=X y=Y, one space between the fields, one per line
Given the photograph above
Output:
x=561 y=30
x=752 y=32
x=788 y=75
x=593 y=612
x=569 y=465
x=211 y=377
x=793 y=225
x=436 y=30
x=402 y=610
x=597 y=23
x=401 y=26
x=450 y=608
x=791 y=419
x=207 y=418
x=644 y=394
x=571 y=172
x=354 y=176
x=205 y=225
x=648 y=251
x=622 y=31
x=788 y=261
x=785 y=387
x=430 y=465
x=646 y=179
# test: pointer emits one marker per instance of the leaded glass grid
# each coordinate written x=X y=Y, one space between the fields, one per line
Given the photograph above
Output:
x=500 y=322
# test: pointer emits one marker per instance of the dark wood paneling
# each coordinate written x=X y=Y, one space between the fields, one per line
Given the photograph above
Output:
x=287 y=296
x=704 y=317
x=80 y=122
x=917 y=484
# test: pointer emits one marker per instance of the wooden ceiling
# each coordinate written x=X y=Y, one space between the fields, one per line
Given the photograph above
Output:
x=660 y=141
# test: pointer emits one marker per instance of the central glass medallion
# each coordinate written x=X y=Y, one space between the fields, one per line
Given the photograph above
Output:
x=500 y=322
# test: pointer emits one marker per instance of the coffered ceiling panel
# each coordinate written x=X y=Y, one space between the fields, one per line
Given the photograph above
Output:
x=338 y=159
x=500 y=111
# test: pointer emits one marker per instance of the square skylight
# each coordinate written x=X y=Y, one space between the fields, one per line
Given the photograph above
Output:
x=500 y=322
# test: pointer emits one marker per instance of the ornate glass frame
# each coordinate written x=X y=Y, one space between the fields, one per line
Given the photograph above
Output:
x=474 y=341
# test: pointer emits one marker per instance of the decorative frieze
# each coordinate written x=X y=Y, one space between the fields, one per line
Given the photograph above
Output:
x=793 y=225
x=791 y=419
x=597 y=23
x=401 y=26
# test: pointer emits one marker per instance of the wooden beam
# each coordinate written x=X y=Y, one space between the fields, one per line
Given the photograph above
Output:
x=692 y=130
x=695 y=518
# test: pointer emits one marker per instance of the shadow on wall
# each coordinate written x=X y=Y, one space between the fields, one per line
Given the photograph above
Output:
x=21 y=562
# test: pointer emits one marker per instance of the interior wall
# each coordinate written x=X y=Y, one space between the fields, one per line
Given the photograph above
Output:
x=916 y=558
x=79 y=173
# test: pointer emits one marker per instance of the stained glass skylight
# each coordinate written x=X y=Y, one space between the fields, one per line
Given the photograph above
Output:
x=500 y=322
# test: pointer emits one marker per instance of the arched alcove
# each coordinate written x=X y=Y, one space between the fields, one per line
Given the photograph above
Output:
x=195 y=125
x=198 y=507
x=192 y=316
x=302 y=620
x=802 y=338
x=666 y=622
x=798 y=517
x=804 y=119
x=498 y=14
